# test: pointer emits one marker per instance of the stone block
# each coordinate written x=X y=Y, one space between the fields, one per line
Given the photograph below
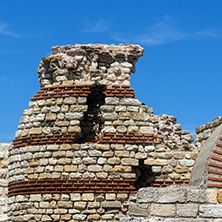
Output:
x=35 y=197
x=210 y=211
x=50 y=116
x=146 y=129
x=156 y=169
x=219 y=197
x=130 y=162
x=92 y=205
x=65 y=147
x=108 y=154
x=74 y=129
x=187 y=163
x=154 y=162
x=138 y=210
x=133 y=129
x=113 y=161
x=109 y=116
x=80 y=205
x=70 y=168
x=61 y=123
x=181 y=169
x=102 y=147
x=122 y=153
x=35 y=131
x=93 y=217
x=65 y=204
x=75 y=196
x=187 y=210
x=88 y=197
x=69 y=100
x=95 y=153
x=95 y=168
x=129 y=101
x=163 y=210
x=122 y=196
x=124 y=169
x=111 y=100
x=89 y=160
x=111 y=204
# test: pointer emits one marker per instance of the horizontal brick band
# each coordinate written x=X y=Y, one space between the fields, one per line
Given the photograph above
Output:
x=61 y=91
x=71 y=186
x=76 y=91
x=219 y=145
x=165 y=183
x=45 y=139
x=212 y=185
x=119 y=91
x=214 y=167
x=140 y=139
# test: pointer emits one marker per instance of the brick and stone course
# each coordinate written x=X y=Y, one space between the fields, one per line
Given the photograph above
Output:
x=86 y=147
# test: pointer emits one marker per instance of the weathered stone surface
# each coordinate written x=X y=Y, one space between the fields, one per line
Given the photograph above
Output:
x=111 y=101
x=74 y=129
x=210 y=211
x=95 y=168
x=111 y=204
x=80 y=205
x=110 y=196
x=156 y=169
x=95 y=153
x=88 y=197
x=70 y=168
x=139 y=210
x=113 y=161
x=75 y=196
x=69 y=100
x=35 y=131
x=187 y=210
x=165 y=210
x=129 y=101
x=130 y=162
x=162 y=195
x=124 y=169
x=155 y=162
x=187 y=163
x=65 y=204
x=219 y=197
x=97 y=119
x=61 y=123
x=93 y=217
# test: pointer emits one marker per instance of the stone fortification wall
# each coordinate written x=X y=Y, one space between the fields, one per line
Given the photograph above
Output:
x=86 y=144
x=175 y=204
x=207 y=170
x=203 y=132
x=4 y=147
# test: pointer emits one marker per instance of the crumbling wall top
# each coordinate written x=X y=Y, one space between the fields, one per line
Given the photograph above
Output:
x=91 y=65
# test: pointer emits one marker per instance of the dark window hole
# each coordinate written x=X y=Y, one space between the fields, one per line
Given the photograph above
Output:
x=92 y=124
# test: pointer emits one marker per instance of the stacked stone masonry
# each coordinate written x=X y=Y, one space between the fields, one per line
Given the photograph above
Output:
x=203 y=132
x=86 y=145
x=4 y=147
x=175 y=204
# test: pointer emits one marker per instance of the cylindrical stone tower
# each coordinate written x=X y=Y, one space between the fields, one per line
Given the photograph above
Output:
x=79 y=150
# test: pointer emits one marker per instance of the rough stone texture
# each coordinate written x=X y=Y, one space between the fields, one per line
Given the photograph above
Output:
x=199 y=176
x=203 y=132
x=84 y=104
x=4 y=147
x=102 y=61
x=175 y=204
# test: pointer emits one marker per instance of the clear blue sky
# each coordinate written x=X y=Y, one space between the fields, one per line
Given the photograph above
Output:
x=179 y=74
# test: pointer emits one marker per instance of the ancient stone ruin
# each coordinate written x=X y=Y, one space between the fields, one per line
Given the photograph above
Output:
x=88 y=150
